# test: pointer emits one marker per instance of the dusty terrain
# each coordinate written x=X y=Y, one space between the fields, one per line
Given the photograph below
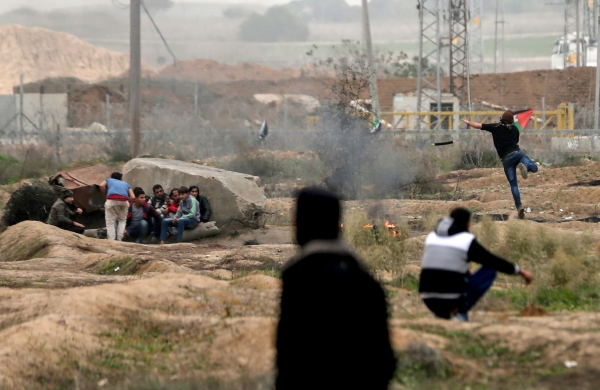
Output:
x=77 y=312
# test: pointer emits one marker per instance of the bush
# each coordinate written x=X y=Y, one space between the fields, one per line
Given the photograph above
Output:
x=277 y=25
x=9 y=169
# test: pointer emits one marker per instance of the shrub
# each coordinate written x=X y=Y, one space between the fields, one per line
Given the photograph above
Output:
x=9 y=169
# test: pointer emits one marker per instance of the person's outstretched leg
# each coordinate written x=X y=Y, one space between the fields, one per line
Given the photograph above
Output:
x=510 y=170
x=529 y=164
x=479 y=283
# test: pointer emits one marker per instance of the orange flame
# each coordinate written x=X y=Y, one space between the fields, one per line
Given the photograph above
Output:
x=392 y=228
x=367 y=226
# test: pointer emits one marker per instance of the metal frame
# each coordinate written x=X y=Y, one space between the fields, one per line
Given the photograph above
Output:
x=476 y=57
x=459 y=48
x=429 y=51
x=563 y=117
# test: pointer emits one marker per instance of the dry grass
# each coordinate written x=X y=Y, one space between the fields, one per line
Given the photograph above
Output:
x=565 y=266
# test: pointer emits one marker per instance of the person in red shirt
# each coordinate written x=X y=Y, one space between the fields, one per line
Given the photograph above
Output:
x=172 y=203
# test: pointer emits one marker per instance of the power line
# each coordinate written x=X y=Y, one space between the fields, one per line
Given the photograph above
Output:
x=159 y=33
x=120 y=5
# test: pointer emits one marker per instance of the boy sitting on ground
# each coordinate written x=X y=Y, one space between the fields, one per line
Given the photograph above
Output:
x=139 y=217
x=187 y=216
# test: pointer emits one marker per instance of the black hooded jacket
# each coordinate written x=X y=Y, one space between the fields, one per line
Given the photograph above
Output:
x=333 y=330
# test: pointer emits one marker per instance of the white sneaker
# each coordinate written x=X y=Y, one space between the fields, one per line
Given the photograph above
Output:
x=523 y=170
x=458 y=317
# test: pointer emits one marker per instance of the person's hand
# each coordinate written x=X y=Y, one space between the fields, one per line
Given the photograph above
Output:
x=200 y=224
x=79 y=211
x=125 y=234
x=78 y=224
x=465 y=121
x=526 y=275
x=175 y=220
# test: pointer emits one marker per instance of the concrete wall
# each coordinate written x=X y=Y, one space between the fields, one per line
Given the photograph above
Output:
x=577 y=145
x=407 y=102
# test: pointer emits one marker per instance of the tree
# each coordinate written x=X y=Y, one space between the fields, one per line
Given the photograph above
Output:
x=324 y=10
x=277 y=25
x=387 y=64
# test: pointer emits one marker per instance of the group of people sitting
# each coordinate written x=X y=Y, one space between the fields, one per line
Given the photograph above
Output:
x=184 y=208
x=131 y=215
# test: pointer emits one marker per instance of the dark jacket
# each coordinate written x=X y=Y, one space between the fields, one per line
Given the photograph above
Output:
x=205 y=211
x=60 y=213
x=149 y=212
x=444 y=268
x=159 y=204
x=506 y=138
x=333 y=330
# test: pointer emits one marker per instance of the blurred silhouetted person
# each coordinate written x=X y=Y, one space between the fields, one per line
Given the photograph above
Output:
x=333 y=330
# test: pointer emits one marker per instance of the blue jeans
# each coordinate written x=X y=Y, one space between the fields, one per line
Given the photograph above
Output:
x=155 y=227
x=477 y=285
x=139 y=231
x=510 y=169
x=182 y=224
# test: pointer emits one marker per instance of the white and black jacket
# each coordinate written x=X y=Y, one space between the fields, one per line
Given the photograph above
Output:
x=448 y=251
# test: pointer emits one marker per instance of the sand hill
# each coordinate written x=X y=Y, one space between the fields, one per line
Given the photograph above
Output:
x=38 y=53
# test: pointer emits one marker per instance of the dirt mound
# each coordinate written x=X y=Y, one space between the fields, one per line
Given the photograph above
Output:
x=210 y=71
x=99 y=327
x=38 y=53
x=35 y=254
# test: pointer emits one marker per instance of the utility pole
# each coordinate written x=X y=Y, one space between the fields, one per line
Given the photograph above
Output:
x=371 y=62
x=135 y=70
x=578 y=33
x=476 y=52
x=459 y=46
x=429 y=92
x=597 y=105
x=499 y=13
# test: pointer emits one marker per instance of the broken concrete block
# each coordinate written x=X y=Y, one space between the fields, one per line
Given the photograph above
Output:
x=207 y=229
x=235 y=198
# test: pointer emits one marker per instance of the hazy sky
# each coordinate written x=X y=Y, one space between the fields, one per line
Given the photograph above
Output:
x=6 y=5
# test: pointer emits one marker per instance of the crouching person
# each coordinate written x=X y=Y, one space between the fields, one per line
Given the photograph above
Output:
x=61 y=214
x=187 y=216
x=446 y=285
x=139 y=217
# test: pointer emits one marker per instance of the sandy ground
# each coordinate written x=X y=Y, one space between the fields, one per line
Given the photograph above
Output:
x=79 y=312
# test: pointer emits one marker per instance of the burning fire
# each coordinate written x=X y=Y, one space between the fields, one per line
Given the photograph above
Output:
x=392 y=229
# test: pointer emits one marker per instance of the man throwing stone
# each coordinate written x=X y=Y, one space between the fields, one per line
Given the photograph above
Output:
x=506 y=140
x=446 y=286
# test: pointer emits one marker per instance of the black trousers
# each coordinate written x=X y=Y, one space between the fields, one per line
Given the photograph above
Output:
x=71 y=228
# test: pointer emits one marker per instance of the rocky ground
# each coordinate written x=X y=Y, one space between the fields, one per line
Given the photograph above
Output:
x=77 y=312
